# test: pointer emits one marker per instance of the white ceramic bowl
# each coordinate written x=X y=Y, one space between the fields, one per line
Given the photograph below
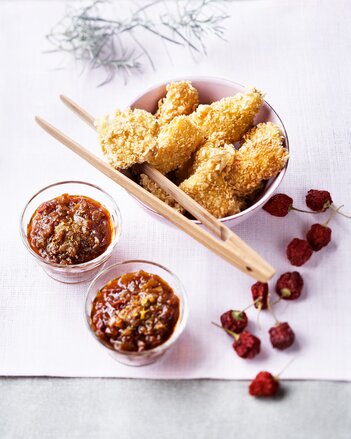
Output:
x=211 y=90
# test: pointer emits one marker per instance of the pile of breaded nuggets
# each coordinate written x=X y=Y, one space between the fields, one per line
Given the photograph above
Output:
x=194 y=145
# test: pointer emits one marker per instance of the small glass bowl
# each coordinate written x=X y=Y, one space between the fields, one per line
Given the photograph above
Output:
x=78 y=272
x=148 y=356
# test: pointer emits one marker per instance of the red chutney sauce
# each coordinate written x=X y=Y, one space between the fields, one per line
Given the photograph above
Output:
x=70 y=229
x=135 y=312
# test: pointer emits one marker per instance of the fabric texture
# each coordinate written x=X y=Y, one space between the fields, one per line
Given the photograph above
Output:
x=295 y=51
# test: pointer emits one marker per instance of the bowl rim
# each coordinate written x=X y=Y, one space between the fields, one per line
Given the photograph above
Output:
x=180 y=325
x=74 y=267
x=277 y=180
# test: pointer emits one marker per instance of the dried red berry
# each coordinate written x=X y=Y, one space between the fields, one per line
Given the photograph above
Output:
x=264 y=384
x=282 y=336
x=235 y=321
x=289 y=286
x=260 y=295
x=298 y=251
x=319 y=201
x=279 y=205
x=247 y=345
x=318 y=236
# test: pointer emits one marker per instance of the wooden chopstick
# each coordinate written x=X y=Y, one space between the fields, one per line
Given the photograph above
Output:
x=242 y=249
x=199 y=212
x=222 y=249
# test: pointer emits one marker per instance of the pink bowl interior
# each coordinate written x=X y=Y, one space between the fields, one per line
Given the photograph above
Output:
x=210 y=90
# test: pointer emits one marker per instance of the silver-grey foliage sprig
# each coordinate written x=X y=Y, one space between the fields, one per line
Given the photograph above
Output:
x=115 y=45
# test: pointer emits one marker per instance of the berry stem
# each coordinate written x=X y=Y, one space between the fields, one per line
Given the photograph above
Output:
x=259 y=309
x=284 y=368
x=251 y=304
x=305 y=211
x=258 y=318
x=228 y=331
x=276 y=301
x=335 y=211
x=272 y=312
x=332 y=207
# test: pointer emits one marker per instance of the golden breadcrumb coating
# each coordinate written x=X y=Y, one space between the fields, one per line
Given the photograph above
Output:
x=228 y=119
x=261 y=157
x=209 y=149
x=127 y=136
x=181 y=98
x=184 y=171
x=216 y=196
x=219 y=177
x=175 y=144
x=208 y=184
x=152 y=187
x=214 y=155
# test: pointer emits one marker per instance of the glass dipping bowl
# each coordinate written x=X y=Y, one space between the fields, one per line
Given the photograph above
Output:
x=148 y=356
x=78 y=272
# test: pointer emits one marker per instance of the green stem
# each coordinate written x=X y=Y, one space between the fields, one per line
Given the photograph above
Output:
x=284 y=368
x=258 y=318
x=337 y=210
x=251 y=304
x=272 y=312
x=305 y=211
x=259 y=309
x=233 y=334
x=276 y=301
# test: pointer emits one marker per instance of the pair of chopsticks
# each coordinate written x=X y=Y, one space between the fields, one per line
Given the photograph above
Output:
x=230 y=247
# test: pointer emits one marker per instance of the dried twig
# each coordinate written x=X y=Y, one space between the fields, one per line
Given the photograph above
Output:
x=115 y=45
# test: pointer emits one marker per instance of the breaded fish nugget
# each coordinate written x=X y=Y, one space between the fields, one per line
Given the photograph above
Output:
x=208 y=184
x=217 y=152
x=184 y=171
x=152 y=187
x=181 y=99
x=261 y=157
x=228 y=119
x=127 y=136
x=176 y=143
x=214 y=156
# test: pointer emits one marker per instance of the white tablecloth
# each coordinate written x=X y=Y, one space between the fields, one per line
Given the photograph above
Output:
x=298 y=53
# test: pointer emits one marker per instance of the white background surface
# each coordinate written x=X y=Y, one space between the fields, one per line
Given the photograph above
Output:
x=297 y=52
